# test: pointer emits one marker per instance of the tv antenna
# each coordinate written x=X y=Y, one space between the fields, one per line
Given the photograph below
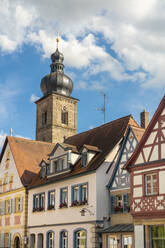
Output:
x=103 y=109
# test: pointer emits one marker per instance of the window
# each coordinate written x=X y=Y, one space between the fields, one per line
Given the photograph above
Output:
x=80 y=239
x=43 y=171
x=127 y=242
x=39 y=202
x=50 y=239
x=157 y=236
x=48 y=169
x=84 y=193
x=59 y=165
x=63 y=197
x=119 y=203
x=64 y=239
x=84 y=159
x=40 y=240
x=51 y=199
x=6 y=240
x=64 y=117
x=18 y=201
x=112 y=242
x=151 y=184
x=8 y=206
x=79 y=194
x=32 y=240
x=44 y=118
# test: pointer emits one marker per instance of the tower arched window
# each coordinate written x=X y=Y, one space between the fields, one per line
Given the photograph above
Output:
x=80 y=239
x=64 y=239
x=50 y=239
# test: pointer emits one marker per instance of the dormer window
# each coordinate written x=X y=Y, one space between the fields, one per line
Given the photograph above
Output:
x=84 y=159
x=43 y=171
x=59 y=165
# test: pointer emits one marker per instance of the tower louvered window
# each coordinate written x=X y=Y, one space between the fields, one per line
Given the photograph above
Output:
x=64 y=117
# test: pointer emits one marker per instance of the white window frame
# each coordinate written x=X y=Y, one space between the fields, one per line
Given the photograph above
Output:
x=152 y=181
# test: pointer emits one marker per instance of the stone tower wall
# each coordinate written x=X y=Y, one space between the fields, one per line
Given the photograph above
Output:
x=54 y=130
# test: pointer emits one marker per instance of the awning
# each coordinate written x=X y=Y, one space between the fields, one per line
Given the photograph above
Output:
x=119 y=228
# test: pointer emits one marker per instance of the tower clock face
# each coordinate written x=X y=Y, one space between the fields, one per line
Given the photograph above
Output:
x=64 y=108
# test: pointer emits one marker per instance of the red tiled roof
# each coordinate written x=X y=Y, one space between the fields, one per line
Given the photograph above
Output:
x=27 y=155
x=105 y=137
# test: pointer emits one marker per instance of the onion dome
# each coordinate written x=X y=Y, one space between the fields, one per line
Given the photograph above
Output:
x=57 y=81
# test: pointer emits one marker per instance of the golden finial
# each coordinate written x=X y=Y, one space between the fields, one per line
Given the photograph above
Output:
x=11 y=131
x=58 y=39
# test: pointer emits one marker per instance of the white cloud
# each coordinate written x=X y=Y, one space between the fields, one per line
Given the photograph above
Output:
x=2 y=138
x=33 y=98
x=133 y=30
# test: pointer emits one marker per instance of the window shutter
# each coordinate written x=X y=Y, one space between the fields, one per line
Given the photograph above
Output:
x=125 y=203
x=34 y=201
x=72 y=194
x=2 y=239
x=3 y=207
x=22 y=202
x=9 y=241
x=80 y=193
x=112 y=202
x=48 y=198
x=10 y=206
x=13 y=205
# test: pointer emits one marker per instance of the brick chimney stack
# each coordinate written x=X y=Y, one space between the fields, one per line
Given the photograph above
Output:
x=144 y=119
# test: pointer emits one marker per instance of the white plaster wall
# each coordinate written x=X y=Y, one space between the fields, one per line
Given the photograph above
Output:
x=137 y=180
x=74 y=157
x=161 y=182
x=139 y=236
x=58 y=229
x=12 y=170
x=111 y=155
x=91 y=155
x=64 y=215
x=137 y=192
x=102 y=193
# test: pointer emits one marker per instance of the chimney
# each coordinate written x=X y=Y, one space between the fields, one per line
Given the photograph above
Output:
x=144 y=119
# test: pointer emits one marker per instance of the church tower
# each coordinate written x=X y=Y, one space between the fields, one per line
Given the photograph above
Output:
x=56 y=111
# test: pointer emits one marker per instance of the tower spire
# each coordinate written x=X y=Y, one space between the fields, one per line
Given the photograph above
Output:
x=58 y=39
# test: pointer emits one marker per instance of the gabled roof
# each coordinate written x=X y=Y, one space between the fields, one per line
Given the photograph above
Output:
x=147 y=132
x=65 y=147
x=27 y=155
x=138 y=132
x=105 y=137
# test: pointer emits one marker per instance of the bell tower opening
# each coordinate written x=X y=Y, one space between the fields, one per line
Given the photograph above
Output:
x=56 y=110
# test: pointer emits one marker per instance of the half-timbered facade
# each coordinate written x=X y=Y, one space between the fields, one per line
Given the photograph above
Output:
x=147 y=170
x=18 y=162
x=120 y=232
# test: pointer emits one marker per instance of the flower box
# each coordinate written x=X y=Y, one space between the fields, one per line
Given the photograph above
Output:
x=63 y=205
x=50 y=207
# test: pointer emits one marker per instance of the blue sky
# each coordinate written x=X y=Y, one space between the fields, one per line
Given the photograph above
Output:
x=109 y=47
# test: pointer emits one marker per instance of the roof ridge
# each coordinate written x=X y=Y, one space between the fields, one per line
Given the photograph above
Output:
x=29 y=140
x=105 y=124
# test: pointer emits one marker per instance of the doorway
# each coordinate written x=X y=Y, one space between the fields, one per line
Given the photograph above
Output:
x=17 y=242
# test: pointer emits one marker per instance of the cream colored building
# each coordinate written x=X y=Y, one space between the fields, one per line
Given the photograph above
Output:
x=18 y=166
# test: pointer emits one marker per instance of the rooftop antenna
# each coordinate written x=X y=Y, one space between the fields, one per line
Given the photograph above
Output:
x=103 y=109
